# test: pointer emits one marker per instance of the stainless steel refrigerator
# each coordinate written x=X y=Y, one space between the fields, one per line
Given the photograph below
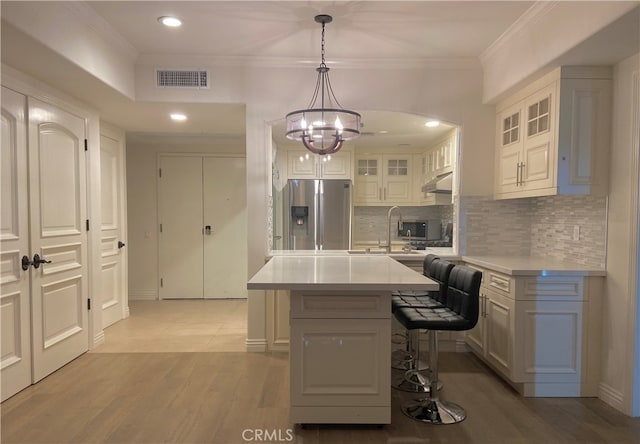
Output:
x=318 y=214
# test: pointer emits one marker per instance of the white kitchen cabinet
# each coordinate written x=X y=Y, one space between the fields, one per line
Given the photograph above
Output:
x=436 y=161
x=423 y=176
x=541 y=333
x=277 y=320
x=492 y=337
x=340 y=358
x=306 y=165
x=384 y=180
x=552 y=137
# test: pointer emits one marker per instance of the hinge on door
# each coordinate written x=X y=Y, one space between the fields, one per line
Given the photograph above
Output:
x=86 y=145
x=161 y=282
x=161 y=228
x=160 y=172
x=88 y=304
x=87 y=224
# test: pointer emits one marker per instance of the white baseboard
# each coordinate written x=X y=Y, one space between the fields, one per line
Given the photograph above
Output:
x=143 y=295
x=461 y=346
x=127 y=312
x=256 y=345
x=612 y=397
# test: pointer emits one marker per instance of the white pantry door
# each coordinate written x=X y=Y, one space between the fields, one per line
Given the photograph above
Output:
x=15 y=322
x=225 y=244
x=181 y=229
x=113 y=282
x=58 y=212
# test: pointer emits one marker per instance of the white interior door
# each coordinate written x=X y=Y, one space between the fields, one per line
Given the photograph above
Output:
x=58 y=209
x=225 y=244
x=181 y=230
x=15 y=323
x=113 y=254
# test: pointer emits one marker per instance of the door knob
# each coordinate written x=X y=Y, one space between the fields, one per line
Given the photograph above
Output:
x=26 y=263
x=37 y=260
x=207 y=229
x=121 y=244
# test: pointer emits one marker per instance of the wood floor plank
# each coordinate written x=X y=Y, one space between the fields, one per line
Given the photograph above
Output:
x=213 y=396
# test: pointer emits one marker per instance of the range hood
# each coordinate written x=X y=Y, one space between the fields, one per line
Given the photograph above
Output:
x=441 y=184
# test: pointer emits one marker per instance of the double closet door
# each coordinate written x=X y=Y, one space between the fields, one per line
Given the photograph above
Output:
x=202 y=227
x=43 y=240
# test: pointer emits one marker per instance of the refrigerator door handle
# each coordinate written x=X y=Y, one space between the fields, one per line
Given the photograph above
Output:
x=319 y=216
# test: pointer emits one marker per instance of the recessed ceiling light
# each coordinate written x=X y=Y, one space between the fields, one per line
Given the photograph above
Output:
x=432 y=124
x=167 y=20
x=383 y=132
x=178 y=117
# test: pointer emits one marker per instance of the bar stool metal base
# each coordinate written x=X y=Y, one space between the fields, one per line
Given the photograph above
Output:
x=415 y=384
x=434 y=411
x=401 y=360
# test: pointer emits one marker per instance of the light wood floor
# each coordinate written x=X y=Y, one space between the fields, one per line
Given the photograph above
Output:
x=173 y=372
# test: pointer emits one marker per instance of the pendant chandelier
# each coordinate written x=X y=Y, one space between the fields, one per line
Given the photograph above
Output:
x=322 y=130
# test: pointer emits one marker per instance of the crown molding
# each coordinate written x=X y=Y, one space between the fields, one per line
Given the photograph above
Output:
x=202 y=61
x=538 y=10
x=101 y=27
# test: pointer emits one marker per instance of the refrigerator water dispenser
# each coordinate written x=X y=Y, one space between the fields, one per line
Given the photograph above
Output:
x=300 y=215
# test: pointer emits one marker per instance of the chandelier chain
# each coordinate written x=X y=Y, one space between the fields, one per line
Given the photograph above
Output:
x=322 y=47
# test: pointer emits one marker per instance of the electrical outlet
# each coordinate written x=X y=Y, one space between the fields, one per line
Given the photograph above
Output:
x=576 y=232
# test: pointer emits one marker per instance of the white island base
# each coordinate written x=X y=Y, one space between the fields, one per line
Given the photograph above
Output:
x=340 y=358
x=340 y=333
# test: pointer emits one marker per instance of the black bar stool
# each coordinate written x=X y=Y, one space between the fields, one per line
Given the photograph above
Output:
x=401 y=359
x=460 y=313
x=414 y=381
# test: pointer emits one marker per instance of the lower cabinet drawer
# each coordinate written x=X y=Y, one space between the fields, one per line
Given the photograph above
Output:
x=321 y=305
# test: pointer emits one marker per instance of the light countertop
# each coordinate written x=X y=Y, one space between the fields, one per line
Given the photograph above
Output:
x=417 y=255
x=338 y=272
x=533 y=266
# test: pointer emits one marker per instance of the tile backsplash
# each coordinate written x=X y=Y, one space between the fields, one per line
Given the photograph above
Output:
x=370 y=223
x=540 y=226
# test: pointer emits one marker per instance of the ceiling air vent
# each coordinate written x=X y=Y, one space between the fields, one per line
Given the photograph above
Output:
x=182 y=79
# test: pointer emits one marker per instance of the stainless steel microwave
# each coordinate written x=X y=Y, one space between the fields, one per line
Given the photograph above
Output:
x=420 y=229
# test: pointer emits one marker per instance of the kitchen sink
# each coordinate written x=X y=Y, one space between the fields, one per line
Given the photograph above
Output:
x=393 y=252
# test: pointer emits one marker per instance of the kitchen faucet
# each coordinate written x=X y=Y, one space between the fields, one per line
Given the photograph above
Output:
x=395 y=207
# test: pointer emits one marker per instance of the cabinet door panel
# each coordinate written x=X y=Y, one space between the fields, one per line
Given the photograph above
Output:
x=499 y=332
x=557 y=326
x=508 y=172
x=301 y=165
x=476 y=336
x=397 y=191
x=340 y=362
x=536 y=171
x=337 y=167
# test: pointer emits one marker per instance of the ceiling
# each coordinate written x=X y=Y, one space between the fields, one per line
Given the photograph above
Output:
x=276 y=29
x=365 y=32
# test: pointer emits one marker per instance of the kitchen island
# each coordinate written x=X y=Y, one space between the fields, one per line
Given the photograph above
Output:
x=340 y=330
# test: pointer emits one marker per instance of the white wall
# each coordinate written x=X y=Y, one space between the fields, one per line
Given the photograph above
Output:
x=620 y=302
x=142 y=201
x=69 y=28
x=542 y=35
